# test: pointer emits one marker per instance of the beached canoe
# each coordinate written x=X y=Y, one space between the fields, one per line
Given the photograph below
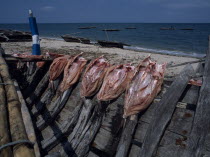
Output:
x=130 y=28
x=167 y=28
x=14 y=36
x=90 y=27
x=111 y=44
x=69 y=38
x=189 y=29
x=111 y=30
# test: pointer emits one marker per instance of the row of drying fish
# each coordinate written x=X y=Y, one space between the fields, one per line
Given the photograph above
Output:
x=141 y=83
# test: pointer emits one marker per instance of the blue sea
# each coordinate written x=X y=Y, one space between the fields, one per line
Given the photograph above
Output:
x=146 y=36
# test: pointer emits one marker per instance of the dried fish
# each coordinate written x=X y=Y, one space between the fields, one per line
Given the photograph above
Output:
x=115 y=82
x=145 y=85
x=27 y=55
x=72 y=72
x=196 y=82
x=57 y=67
x=93 y=77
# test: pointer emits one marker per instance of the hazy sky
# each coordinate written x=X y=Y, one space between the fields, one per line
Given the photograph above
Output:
x=70 y=11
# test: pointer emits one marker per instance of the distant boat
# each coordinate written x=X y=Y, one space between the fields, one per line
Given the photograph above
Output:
x=187 y=29
x=69 y=38
x=111 y=44
x=130 y=28
x=167 y=28
x=3 y=38
x=111 y=30
x=90 y=27
x=14 y=36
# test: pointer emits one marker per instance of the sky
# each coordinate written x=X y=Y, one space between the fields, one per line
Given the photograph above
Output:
x=101 y=11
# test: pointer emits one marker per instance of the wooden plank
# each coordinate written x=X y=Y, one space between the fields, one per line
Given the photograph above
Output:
x=126 y=137
x=89 y=132
x=61 y=131
x=17 y=127
x=201 y=124
x=34 y=80
x=110 y=129
x=39 y=90
x=27 y=121
x=171 y=145
x=86 y=128
x=164 y=111
x=91 y=154
x=175 y=138
x=191 y=62
x=13 y=59
x=4 y=123
x=138 y=138
x=57 y=154
x=46 y=98
x=66 y=122
x=49 y=115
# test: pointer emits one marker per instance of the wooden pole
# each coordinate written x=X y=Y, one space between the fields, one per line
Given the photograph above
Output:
x=17 y=128
x=4 y=128
x=27 y=121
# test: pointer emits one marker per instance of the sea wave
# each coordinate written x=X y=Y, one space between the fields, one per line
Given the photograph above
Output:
x=176 y=53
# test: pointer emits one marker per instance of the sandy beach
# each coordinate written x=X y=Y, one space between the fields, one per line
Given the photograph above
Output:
x=114 y=55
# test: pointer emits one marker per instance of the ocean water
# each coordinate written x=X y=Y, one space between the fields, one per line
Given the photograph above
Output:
x=146 y=36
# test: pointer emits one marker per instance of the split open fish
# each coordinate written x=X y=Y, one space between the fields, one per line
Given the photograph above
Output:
x=72 y=72
x=115 y=81
x=93 y=77
x=145 y=85
x=57 y=67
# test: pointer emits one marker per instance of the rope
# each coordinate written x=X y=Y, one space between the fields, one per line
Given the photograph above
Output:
x=17 y=142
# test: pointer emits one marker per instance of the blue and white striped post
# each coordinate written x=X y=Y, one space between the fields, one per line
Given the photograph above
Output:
x=35 y=34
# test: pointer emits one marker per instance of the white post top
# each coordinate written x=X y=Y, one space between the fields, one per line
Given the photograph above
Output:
x=30 y=13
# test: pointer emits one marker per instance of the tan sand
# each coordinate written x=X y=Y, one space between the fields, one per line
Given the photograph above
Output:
x=114 y=55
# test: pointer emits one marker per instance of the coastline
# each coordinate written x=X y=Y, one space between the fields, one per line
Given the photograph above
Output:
x=114 y=55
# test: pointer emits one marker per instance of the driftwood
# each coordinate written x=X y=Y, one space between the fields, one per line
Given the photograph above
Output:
x=201 y=123
x=27 y=121
x=164 y=112
x=4 y=124
x=17 y=128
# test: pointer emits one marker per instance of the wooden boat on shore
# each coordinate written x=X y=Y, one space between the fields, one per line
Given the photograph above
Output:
x=3 y=38
x=189 y=29
x=90 y=27
x=15 y=36
x=68 y=125
x=69 y=38
x=111 y=44
x=130 y=28
x=111 y=30
x=167 y=28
